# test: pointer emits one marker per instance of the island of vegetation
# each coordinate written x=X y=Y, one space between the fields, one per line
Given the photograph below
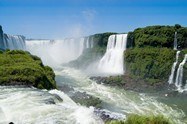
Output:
x=21 y=68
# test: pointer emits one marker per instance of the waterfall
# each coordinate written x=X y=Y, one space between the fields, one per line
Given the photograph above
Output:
x=175 y=41
x=89 y=43
x=112 y=62
x=1 y=38
x=58 y=52
x=179 y=77
x=92 y=42
x=171 y=77
x=13 y=42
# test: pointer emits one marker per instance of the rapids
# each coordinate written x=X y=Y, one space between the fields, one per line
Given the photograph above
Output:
x=32 y=106
x=117 y=102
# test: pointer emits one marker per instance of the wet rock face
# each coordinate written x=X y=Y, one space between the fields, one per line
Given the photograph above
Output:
x=81 y=98
x=1 y=38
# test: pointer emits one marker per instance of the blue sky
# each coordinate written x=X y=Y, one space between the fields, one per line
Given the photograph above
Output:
x=57 y=19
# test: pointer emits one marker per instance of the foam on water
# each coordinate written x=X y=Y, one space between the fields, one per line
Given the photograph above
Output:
x=27 y=105
x=121 y=101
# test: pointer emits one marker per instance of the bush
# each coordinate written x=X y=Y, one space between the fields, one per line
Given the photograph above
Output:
x=116 y=80
x=137 y=119
x=158 y=36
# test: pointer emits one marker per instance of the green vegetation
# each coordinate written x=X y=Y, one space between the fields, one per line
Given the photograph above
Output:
x=151 y=55
x=150 y=63
x=21 y=68
x=158 y=36
x=137 y=119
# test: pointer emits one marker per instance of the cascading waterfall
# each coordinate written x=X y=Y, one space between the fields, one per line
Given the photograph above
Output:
x=171 y=77
x=14 y=42
x=89 y=43
x=179 y=77
x=112 y=62
x=175 y=41
x=92 y=42
x=58 y=52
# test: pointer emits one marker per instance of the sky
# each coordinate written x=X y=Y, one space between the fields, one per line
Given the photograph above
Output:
x=58 y=19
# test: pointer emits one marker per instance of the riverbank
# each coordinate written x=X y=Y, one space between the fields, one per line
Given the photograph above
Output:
x=131 y=83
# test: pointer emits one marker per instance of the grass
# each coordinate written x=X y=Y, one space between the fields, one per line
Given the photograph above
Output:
x=142 y=119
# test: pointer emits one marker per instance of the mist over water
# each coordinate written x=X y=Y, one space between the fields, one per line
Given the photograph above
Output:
x=57 y=52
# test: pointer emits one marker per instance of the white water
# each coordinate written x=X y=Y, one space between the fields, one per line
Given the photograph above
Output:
x=89 y=43
x=112 y=62
x=179 y=77
x=175 y=41
x=171 y=77
x=57 y=52
x=31 y=106
x=14 y=42
x=118 y=103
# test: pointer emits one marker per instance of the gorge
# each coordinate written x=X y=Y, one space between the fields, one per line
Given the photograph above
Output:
x=138 y=54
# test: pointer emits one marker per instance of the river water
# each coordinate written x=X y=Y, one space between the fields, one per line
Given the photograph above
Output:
x=32 y=106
